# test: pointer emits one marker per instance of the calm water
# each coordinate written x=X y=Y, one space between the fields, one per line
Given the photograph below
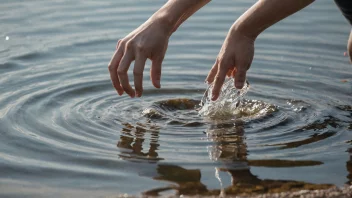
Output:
x=65 y=132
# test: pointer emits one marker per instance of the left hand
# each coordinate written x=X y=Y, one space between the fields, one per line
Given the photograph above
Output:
x=150 y=40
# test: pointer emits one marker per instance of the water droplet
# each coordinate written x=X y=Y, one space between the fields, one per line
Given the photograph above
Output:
x=310 y=68
x=7 y=38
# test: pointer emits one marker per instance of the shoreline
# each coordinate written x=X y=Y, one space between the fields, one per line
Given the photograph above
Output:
x=334 y=192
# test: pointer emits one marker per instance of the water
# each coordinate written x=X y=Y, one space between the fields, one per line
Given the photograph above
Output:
x=227 y=103
x=65 y=132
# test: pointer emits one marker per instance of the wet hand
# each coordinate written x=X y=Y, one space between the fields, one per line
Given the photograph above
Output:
x=150 y=40
x=234 y=60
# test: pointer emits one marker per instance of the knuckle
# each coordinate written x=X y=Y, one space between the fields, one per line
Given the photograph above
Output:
x=117 y=87
x=137 y=73
x=118 y=43
x=224 y=63
x=138 y=87
x=125 y=87
x=121 y=42
x=157 y=74
x=130 y=45
x=140 y=47
x=216 y=61
x=111 y=68
x=214 y=70
x=218 y=78
x=121 y=71
x=241 y=70
x=156 y=70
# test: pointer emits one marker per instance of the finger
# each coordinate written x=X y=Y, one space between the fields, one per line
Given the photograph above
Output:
x=155 y=71
x=240 y=78
x=212 y=73
x=138 y=74
x=122 y=74
x=118 y=44
x=219 y=79
x=113 y=65
x=242 y=65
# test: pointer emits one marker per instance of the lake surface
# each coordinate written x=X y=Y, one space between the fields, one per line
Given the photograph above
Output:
x=65 y=132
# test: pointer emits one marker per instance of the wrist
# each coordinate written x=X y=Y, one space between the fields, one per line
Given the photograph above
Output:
x=245 y=30
x=164 y=20
x=238 y=30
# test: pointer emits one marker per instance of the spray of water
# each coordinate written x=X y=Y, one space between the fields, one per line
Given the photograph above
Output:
x=227 y=102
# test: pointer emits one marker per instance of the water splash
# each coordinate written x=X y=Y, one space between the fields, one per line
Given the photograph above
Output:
x=228 y=100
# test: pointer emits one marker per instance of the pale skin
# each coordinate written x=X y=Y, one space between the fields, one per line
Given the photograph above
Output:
x=150 y=41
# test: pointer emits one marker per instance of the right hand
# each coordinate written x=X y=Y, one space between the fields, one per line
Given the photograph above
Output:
x=234 y=60
x=150 y=40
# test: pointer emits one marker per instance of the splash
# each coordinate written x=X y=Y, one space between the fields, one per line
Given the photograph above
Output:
x=228 y=100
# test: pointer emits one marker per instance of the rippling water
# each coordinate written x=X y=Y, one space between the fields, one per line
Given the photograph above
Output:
x=65 y=132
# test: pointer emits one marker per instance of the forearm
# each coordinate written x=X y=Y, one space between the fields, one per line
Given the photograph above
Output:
x=175 y=12
x=265 y=13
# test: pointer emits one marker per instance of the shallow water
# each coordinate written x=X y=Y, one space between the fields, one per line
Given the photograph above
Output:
x=65 y=132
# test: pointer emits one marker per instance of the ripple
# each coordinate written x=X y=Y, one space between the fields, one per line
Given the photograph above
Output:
x=63 y=126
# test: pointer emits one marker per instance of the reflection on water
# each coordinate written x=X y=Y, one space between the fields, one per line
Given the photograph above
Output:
x=132 y=139
x=314 y=138
x=61 y=119
x=228 y=151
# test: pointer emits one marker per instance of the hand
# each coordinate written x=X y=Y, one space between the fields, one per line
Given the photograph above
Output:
x=234 y=60
x=150 y=40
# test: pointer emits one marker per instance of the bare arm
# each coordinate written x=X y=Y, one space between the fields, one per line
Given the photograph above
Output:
x=236 y=54
x=178 y=11
x=149 y=41
x=265 y=13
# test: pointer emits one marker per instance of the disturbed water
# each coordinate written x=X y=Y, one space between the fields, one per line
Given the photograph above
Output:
x=65 y=132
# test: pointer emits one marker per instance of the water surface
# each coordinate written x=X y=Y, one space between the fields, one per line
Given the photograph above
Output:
x=65 y=132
